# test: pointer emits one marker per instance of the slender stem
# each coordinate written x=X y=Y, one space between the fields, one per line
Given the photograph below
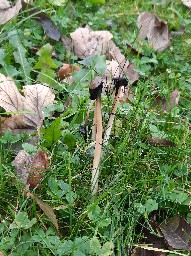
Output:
x=98 y=146
x=94 y=126
x=111 y=118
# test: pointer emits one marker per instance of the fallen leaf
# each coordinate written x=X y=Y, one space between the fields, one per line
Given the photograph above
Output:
x=177 y=232
x=37 y=170
x=87 y=42
x=31 y=169
x=22 y=164
x=165 y=105
x=1 y=254
x=155 y=30
x=125 y=68
x=161 y=142
x=66 y=70
x=137 y=251
x=48 y=211
x=7 y=12
x=49 y=27
x=35 y=98
x=187 y=3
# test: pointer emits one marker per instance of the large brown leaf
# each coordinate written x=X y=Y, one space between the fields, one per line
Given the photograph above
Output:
x=48 y=211
x=36 y=98
x=7 y=12
x=87 y=42
x=154 y=29
x=177 y=232
x=31 y=168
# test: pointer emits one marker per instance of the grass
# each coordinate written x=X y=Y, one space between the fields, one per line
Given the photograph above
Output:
x=138 y=182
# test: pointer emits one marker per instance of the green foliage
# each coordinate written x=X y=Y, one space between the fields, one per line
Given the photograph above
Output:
x=138 y=182
x=20 y=54
x=53 y=133
x=46 y=65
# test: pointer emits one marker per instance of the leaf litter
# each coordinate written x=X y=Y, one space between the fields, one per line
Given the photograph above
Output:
x=155 y=30
x=35 y=98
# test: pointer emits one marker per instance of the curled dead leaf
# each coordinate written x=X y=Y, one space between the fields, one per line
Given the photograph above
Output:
x=31 y=169
x=161 y=142
x=7 y=12
x=155 y=30
x=48 y=211
x=165 y=105
x=66 y=70
x=35 y=98
x=87 y=42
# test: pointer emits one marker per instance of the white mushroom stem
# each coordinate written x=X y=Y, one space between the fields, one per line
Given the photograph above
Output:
x=98 y=145
x=88 y=113
x=112 y=116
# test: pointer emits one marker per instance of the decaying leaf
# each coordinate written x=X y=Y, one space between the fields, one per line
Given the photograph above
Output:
x=187 y=3
x=22 y=164
x=125 y=68
x=7 y=12
x=36 y=98
x=161 y=142
x=151 y=249
x=137 y=251
x=155 y=30
x=31 y=169
x=87 y=42
x=49 y=27
x=177 y=232
x=48 y=211
x=66 y=70
x=164 y=104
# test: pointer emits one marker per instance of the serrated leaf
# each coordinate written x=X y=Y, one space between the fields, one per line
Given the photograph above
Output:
x=96 y=62
x=53 y=133
x=22 y=221
x=45 y=60
x=19 y=53
x=95 y=246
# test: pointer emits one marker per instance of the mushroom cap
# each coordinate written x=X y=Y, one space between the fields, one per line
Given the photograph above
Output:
x=96 y=86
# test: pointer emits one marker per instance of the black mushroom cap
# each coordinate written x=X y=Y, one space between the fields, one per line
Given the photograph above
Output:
x=96 y=86
x=119 y=81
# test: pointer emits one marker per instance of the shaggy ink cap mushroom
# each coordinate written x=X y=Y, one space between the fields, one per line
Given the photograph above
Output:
x=95 y=88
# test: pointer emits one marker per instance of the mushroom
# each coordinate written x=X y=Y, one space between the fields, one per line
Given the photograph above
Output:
x=119 y=83
x=95 y=94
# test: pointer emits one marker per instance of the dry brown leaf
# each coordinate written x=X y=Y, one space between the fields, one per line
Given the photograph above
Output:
x=177 y=232
x=38 y=169
x=155 y=30
x=66 y=70
x=143 y=23
x=161 y=142
x=48 y=211
x=137 y=251
x=1 y=254
x=165 y=105
x=87 y=42
x=187 y=3
x=22 y=164
x=36 y=98
x=125 y=68
x=7 y=12
x=31 y=169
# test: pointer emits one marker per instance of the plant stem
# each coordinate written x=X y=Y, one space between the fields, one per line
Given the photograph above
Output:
x=98 y=146
x=111 y=118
